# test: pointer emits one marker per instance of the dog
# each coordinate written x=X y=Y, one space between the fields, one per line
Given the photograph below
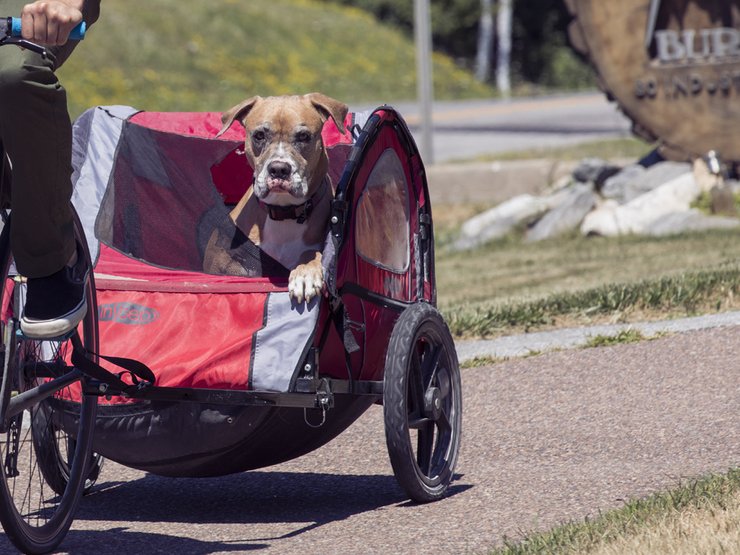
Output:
x=286 y=211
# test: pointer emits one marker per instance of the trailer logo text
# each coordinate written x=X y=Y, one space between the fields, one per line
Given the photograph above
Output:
x=127 y=313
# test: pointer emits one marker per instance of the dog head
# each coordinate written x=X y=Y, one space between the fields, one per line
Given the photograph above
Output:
x=283 y=143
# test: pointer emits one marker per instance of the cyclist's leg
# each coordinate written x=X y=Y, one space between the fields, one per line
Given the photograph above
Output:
x=4 y=179
x=36 y=133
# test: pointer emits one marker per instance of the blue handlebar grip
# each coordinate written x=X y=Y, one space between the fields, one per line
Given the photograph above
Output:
x=78 y=33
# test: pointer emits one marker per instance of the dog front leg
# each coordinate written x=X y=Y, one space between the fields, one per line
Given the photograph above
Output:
x=306 y=281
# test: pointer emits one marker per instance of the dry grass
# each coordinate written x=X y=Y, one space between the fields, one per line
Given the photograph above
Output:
x=695 y=531
x=608 y=149
x=511 y=270
x=698 y=517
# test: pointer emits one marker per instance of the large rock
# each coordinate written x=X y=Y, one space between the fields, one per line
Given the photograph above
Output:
x=566 y=216
x=500 y=220
x=594 y=170
x=636 y=216
x=691 y=220
x=635 y=180
x=617 y=186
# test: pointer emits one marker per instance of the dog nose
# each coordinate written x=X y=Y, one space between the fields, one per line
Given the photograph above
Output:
x=279 y=170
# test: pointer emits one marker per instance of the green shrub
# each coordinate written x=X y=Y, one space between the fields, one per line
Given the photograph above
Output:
x=206 y=56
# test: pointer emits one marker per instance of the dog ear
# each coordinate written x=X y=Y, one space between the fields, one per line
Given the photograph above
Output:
x=330 y=108
x=237 y=112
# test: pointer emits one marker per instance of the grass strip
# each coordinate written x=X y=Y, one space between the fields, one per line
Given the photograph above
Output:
x=684 y=293
x=607 y=149
x=624 y=336
x=713 y=494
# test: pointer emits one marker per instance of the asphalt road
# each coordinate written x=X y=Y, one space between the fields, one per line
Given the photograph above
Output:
x=464 y=129
x=546 y=439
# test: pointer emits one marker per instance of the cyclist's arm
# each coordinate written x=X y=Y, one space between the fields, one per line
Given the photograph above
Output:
x=49 y=22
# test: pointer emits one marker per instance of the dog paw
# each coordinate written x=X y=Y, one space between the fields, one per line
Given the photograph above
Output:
x=306 y=282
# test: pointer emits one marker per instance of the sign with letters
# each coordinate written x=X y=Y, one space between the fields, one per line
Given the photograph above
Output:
x=673 y=66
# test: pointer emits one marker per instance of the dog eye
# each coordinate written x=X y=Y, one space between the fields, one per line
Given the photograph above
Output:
x=258 y=136
x=302 y=137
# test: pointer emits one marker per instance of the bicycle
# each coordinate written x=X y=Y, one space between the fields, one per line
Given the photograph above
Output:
x=38 y=381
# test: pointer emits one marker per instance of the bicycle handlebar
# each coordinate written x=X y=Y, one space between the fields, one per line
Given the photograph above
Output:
x=13 y=29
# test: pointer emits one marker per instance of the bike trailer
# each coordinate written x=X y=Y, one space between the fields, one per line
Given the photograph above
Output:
x=183 y=373
x=150 y=188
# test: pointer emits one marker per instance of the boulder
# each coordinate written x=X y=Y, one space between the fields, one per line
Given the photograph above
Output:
x=635 y=180
x=501 y=219
x=637 y=215
x=691 y=220
x=617 y=185
x=565 y=216
x=594 y=170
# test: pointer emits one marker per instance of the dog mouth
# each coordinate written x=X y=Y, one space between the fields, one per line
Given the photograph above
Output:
x=278 y=186
x=280 y=182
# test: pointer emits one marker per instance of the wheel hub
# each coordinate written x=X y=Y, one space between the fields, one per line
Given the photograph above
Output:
x=433 y=403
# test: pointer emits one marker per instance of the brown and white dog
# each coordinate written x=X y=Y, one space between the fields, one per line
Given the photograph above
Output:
x=286 y=211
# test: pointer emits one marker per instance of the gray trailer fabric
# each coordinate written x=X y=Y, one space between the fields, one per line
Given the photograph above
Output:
x=95 y=139
x=279 y=347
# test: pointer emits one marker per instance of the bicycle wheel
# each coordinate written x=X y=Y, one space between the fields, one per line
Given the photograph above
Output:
x=46 y=420
x=422 y=403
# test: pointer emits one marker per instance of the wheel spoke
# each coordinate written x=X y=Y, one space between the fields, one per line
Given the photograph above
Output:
x=430 y=365
x=418 y=421
x=443 y=380
x=443 y=423
x=416 y=386
x=425 y=448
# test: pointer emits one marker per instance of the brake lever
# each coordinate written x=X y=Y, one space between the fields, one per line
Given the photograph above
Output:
x=23 y=43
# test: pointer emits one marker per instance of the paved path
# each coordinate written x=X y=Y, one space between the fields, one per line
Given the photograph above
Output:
x=546 y=439
x=463 y=129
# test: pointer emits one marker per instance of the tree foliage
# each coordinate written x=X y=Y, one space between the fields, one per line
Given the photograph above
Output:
x=540 y=53
x=454 y=22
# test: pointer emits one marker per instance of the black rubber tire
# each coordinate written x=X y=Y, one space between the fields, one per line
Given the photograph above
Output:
x=421 y=368
x=39 y=493
x=53 y=448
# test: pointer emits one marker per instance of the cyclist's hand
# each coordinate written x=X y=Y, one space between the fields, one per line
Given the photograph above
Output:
x=49 y=22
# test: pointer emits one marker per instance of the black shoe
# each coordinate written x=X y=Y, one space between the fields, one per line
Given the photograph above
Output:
x=56 y=304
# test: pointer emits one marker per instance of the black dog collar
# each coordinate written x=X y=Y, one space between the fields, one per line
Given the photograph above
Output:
x=298 y=212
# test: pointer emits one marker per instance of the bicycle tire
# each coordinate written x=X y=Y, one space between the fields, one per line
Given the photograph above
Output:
x=45 y=451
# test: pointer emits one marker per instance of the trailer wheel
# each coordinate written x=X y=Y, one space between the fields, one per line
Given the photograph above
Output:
x=422 y=403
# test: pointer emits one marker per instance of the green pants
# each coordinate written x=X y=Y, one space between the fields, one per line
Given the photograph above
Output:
x=36 y=141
